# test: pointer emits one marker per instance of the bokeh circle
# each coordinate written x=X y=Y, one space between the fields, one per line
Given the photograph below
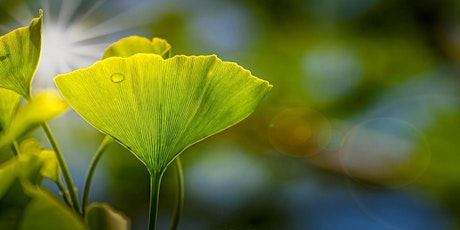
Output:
x=299 y=132
x=385 y=153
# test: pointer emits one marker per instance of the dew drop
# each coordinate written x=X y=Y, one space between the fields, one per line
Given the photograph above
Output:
x=117 y=77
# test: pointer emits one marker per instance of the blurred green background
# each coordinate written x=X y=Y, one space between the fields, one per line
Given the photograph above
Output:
x=361 y=129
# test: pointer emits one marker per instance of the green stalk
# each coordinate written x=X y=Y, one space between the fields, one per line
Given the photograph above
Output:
x=63 y=192
x=180 y=195
x=64 y=168
x=89 y=176
x=15 y=148
x=155 y=182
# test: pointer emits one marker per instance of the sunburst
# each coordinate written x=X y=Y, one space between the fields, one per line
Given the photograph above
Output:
x=74 y=35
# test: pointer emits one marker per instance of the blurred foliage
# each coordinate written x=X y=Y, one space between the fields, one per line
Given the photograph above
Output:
x=389 y=69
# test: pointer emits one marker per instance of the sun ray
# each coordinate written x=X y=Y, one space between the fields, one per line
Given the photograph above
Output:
x=22 y=15
x=88 y=14
x=67 y=10
x=128 y=19
x=75 y=38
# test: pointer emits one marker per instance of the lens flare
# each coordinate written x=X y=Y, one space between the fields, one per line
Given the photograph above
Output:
x=389 y=152
x=299 y=132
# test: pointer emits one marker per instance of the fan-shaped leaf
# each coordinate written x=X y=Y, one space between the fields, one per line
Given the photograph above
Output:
x=156 y=107
x=45 y=106
x=134 y=44
x=19 y=56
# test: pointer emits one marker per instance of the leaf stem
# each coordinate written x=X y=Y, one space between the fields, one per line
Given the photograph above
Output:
x=155 y=182
x=63 y=192
x=15 y=148
x=92 y=167
x=180 y=195
x=64 y=168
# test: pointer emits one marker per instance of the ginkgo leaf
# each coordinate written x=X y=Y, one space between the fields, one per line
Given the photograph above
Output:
x=26 y=168
x=134 y=44
x=9 y=101
x=157 y=108
x=23 y=203
x=19 y=56
x=45 y=106
x=50 y=168
x=26 y=206
x=45 y=211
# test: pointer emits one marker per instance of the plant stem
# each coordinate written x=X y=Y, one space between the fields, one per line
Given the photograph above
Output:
x=92 y=167
x=155 y=182
x=64 y=194
x=180 y=195
x=64 y=168
x=15 y=148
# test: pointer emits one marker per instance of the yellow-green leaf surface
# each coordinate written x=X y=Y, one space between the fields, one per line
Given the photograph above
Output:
x=9 y=100
x=45 y=106
x=25 y=205
x=25 y=168
x=156 y=107
x=50 y=168
x=134 y=44
x=45 y=211
x=19 y=56
x=103 y=217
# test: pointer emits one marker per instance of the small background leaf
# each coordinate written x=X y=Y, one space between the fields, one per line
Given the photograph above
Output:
x=25 y=168
x=45 y=106
x=19 y=56
x=104 y=217
x=24 y=204
x=50 y=168
x=45 y=211
x=134 y=44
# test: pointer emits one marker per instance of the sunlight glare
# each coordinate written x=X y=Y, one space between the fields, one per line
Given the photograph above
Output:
x=74 y=38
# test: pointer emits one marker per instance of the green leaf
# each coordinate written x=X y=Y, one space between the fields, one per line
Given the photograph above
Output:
x=45 y=211
x=50 y=168
x=26 y=168
x=9 y=101
x=157 y=108
x=19 y=56
x=45 y=106
x=25 y=205
x=13 y=204
x=104 y=217
x=134 y=44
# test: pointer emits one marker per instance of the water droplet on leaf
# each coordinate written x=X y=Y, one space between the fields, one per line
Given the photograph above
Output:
x=117 y=77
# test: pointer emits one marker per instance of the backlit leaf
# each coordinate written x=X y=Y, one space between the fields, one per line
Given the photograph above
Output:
x=26 y=168
x=134 y=44
x=9 y=100
x=45 y=211
x=19 y=56
x=24 y=204
x=50 y=168
x=45 y=106
x=157 y=108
